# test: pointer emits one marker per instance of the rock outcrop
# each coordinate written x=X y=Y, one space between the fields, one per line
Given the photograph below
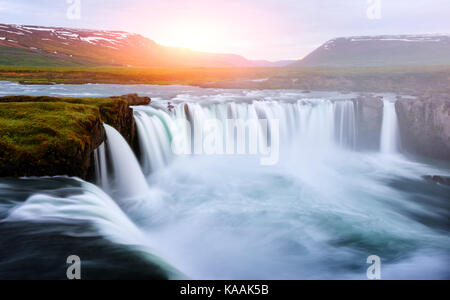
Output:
x=135 y=99
x=438 y=179
x=121 y=118
x=369 y=117
x=49 y=136
x=82 y=162
x=425 y=125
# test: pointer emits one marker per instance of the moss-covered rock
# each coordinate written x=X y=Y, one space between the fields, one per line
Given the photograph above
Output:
x=135 y=99
x=114 y=111
x=56 y=136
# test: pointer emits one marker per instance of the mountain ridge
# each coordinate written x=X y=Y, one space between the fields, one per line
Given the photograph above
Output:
x=67 y=46
x=381 y=50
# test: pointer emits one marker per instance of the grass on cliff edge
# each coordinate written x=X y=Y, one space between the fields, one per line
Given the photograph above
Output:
x=35 y=129
x=42 y=129
x=106 y=106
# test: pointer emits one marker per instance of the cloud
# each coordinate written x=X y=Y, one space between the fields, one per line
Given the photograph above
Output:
x=3 y=7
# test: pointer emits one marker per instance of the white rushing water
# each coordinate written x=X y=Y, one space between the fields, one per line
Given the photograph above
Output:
x=128 y=176
x=94 y=207
x=101 y=167
x=389 y=131
x=154 y=131
x=309 y=125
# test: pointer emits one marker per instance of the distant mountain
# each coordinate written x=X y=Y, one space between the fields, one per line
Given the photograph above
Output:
x=52 y=46
x=388 y=50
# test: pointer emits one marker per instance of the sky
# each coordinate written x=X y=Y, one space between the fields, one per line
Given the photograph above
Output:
x=257 y=29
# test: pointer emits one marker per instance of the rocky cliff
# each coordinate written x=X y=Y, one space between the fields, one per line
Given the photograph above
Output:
x=369 y=117
x=425 y=125
x=49 y=136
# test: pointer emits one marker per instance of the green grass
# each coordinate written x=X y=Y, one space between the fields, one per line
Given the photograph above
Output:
x=25 y=57
x=35 y=129
x=106 y=107
x=123 y=75
x=390 y=78
x=49 y=134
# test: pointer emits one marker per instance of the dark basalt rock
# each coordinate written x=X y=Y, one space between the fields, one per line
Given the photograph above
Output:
x=425 y=125
x=83 y=160
x=438 y=179
x=121 y=119
x=135 y=99
x=369 y=117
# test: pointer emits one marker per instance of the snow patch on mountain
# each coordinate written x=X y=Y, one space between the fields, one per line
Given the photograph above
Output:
x=401 y=38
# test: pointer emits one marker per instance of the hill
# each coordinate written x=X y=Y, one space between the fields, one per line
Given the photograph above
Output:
x=376 y=51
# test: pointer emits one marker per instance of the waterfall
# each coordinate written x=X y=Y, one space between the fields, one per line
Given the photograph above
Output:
x=389 y=131
x=314 y=124
x=101 y=168
x=345 y=123
x=128 y=177
x=154 y=132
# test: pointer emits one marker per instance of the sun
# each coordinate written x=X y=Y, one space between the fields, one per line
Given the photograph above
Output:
x=198 y=37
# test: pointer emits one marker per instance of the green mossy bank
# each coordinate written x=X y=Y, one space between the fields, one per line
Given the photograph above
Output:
x=49 y=136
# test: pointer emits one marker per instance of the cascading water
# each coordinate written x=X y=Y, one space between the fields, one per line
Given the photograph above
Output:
x=154 y=131
x=389 y=130
x=101 y=168
x=128 y=177
x=345 y=123
x=315 y=125
x=87 y=204
x=317 y=169
x=318 y=214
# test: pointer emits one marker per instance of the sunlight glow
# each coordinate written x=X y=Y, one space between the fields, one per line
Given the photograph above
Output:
x=195 y=37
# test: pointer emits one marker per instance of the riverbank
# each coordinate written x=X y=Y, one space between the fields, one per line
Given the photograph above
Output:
x=407 y=80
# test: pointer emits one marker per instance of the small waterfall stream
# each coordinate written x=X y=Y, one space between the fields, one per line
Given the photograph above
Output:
x=128 y=176
x=101 y=168
x=389 y=143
